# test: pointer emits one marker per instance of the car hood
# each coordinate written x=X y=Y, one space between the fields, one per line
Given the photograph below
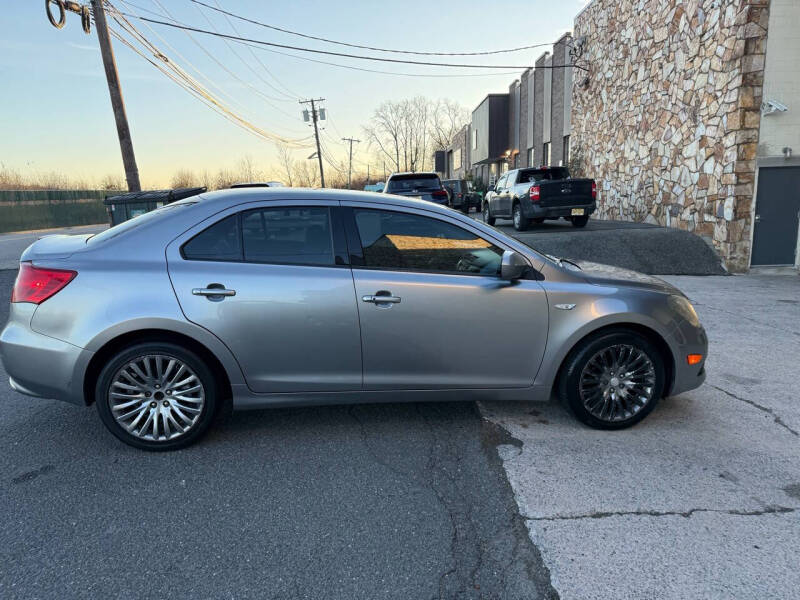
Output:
x=600 y=274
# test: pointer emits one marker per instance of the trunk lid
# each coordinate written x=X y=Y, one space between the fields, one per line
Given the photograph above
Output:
x=55 y=247
x=565 y=192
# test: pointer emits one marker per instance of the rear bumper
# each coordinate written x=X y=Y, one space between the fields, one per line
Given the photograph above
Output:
x=39 y=365
x=536 y=211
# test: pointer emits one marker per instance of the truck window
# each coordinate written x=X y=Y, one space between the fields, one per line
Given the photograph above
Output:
x=552 y=174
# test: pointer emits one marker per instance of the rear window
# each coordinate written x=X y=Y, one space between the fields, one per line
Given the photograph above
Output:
x=135 y=222
x=455 y=184
x=532 y=175
x=413 y=183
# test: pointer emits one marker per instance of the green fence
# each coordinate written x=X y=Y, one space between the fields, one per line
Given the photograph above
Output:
x=21 y=210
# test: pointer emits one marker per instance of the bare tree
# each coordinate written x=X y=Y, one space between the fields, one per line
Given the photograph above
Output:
x=306 y=173
x=448 y=119
x=405 y=133
x=183 y=178
x=286 y=161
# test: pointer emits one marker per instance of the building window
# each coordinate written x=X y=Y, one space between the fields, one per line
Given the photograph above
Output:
x=457 y=158
x=546 y=154
x=530 y=157
x=474 y=139
x=566 y=150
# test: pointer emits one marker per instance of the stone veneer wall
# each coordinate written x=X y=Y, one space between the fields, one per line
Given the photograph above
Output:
x=668 y=123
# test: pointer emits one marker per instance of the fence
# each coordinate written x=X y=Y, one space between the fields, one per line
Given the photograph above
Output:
x=41 y=209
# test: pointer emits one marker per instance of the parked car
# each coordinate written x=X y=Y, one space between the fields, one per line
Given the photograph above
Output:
x=540 y=193
x=462 y=196
x=257 y=298
x=425 y=186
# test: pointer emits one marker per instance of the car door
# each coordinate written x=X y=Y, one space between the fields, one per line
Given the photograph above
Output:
x=508 y=191
x=434 y=313
x=272 y=282
x=495 y=202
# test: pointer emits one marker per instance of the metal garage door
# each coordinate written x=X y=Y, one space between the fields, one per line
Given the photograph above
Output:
x=777 y=216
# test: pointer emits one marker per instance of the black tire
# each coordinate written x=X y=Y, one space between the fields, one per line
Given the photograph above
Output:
x=569 y=378
x=464 y=208
x=580 y=221
x=208 y=412
x=520 y=220
x=487 y=214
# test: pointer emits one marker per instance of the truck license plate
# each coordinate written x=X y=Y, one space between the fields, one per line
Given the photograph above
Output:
x=577 y=212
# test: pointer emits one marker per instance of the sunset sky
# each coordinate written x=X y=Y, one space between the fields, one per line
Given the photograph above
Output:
x=57 y=116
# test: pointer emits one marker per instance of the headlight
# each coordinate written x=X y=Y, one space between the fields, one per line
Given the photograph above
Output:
x=684 y=308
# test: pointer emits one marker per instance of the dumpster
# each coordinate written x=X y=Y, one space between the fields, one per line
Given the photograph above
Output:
x=127 y=206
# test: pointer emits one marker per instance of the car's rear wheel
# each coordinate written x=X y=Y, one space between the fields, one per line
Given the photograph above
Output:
x=580 y=221
x=520 y=221
x=613 y=380
x=487 y=214
x=156 y=396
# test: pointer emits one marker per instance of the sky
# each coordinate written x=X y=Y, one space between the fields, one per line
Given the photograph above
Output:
x=56 y=113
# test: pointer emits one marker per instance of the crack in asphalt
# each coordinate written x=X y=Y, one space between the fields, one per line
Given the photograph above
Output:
x=769 y=510
x=760 y=407
x=489 y=556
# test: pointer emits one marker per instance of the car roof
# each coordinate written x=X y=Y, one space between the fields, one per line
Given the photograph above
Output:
x=230 y=197
x=413 y=173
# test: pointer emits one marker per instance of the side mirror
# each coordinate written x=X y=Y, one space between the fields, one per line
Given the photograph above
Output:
x=513 y=266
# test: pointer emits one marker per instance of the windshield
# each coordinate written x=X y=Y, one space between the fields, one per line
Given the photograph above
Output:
x=135 y=222
x=413 y=183
x=532 y=175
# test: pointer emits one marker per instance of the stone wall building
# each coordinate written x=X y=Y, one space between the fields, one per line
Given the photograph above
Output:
x=668 y=116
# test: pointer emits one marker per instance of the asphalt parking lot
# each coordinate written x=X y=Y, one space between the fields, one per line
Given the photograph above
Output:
x=377 y=501
x=431 y=500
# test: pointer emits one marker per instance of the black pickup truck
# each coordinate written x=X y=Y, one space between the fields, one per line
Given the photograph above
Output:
x=536 y=194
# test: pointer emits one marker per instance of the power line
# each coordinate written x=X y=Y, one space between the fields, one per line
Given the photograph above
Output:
x=342 y=54
x=189 y=83
x=349 y=45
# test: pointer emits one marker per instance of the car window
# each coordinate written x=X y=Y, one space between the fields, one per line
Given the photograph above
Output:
x=510 y=178
x=395 y=240
x=221 y=241
x=292 y=235
x=413 y=183
x=501 y=183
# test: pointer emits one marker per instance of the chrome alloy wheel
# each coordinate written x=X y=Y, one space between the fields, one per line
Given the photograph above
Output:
x=156 y=397
x=617 y=382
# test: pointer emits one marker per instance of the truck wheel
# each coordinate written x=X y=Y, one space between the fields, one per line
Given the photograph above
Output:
x=520 y=221
x=487 y=215
x=580 y=221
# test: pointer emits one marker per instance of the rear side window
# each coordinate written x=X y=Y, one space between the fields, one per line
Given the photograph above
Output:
x=221 y=242
x=294 y=235
x=403 y=241
x=413 y=183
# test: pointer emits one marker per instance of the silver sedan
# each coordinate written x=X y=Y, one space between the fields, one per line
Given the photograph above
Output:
x=255 y=298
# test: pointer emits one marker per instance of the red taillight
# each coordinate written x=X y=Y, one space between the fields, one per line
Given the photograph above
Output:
x=534 y=193
x=35 y=284
x=594 y=191
x=439 y=194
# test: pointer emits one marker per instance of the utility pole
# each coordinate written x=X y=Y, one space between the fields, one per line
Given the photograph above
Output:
x=350 y=167
x=114 y=90
x=367 y=173
x=384 y=170
x=314 y=117
x=110 y=65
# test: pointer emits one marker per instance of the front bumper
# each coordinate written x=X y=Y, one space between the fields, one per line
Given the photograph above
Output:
x=39 y=365
x=689 y=340
x=534 y=210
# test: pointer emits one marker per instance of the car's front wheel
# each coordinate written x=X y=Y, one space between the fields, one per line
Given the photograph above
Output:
x=156 y=396
x=487 y=214
x=613 y=380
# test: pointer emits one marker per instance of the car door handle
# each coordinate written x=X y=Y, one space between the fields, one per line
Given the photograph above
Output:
x=213 y=291
x=380 y=298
